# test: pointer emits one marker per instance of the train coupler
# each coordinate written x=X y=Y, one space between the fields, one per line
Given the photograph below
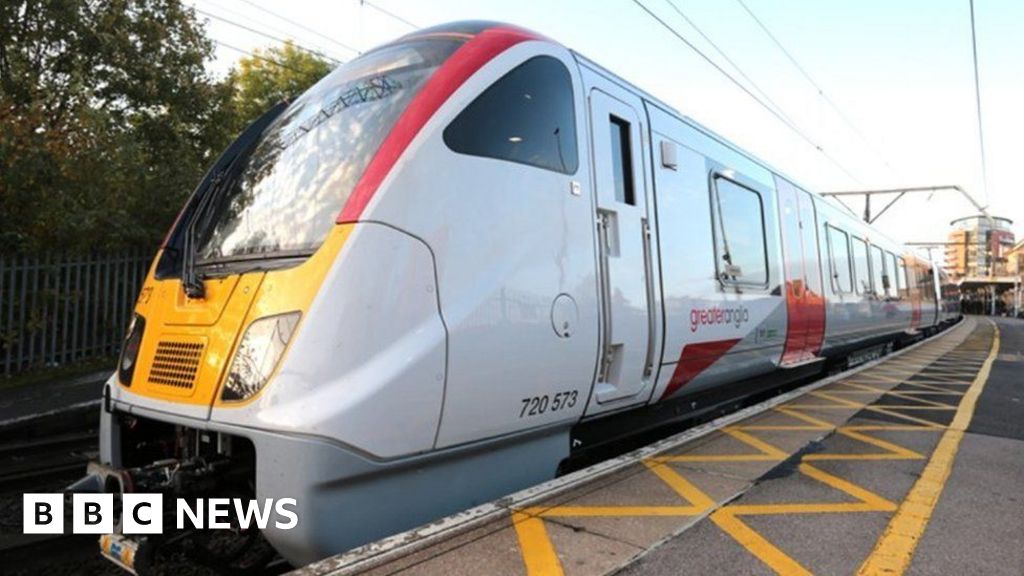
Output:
x=132 y=553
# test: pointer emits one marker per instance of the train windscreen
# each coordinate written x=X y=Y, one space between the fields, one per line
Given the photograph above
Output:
x=298 y=176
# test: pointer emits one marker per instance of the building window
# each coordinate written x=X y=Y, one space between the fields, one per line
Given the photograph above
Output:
x=861 y=268
x=622 y=160
x=839 y=245
x=739 y=234
x=527 y=117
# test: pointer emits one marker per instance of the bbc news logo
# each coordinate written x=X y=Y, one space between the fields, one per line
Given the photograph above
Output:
x=144 y=513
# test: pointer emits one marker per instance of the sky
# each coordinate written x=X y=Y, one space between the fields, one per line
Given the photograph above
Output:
x=892 y=103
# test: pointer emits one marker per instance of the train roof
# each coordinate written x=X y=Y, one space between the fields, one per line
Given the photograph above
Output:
x=474 y=27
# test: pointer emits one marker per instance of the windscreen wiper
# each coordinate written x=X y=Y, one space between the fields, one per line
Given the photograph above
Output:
x=191 y=280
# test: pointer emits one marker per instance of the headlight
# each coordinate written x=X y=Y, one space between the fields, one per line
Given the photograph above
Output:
x=130 y=350
x=258 y=354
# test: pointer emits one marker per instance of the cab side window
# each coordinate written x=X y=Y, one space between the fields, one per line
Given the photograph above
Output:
x=527 y=117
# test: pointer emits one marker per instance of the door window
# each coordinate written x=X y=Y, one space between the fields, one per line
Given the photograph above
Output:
x=622 y=161
x=739 y=234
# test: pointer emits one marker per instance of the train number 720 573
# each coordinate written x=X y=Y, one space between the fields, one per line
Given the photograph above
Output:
x=537 y=405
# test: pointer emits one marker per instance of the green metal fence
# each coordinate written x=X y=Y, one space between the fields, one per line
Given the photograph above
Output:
x=58 y=308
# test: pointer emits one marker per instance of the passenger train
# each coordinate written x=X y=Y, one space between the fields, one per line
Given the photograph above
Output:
x=455 y=263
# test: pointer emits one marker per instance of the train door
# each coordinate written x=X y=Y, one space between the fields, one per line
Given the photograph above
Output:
x=805 y=303
x=625 y=370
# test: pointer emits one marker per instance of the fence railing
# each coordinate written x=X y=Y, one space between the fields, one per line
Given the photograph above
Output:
x=56 y=309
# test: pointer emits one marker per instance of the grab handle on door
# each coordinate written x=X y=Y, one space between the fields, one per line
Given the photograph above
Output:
x=649 y=278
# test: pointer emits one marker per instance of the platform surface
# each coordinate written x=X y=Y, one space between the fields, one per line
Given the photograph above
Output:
x=912 y=466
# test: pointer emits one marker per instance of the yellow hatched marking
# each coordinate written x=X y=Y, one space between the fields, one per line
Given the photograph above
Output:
x=905 y=395
x=906 y=417
x=895 y=548
x=947 y=378
x=881 y=378
x=617 y=511
x=767 y=452
x=757 y=545
x=868 y=501
x=938 y=406
x=817 y=422
x=542 y=559
x=901 y=393
x=894 y=452
x=893 y=427
x=683 y=487
x=933 y=388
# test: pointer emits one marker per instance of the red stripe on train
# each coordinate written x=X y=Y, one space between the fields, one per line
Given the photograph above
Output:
x=469 y=58
x=694 y=359
x=805 y=323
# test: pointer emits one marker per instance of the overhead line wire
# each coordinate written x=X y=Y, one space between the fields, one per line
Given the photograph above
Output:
x=261 y=25
x=977 y=98
x=256 y=56
x=389 y=13
x=727 y=59
x=821 y=92
x=302 y=26
x=754 y=96
x=270 y=36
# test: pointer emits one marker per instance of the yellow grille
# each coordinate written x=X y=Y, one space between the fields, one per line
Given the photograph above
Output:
x=176 y=364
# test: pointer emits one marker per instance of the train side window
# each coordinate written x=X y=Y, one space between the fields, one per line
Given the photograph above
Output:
x=862 y=271
x=622 y=160
x=902 y=279
x=879 y=279
x=927 y=285
x=527 y=116
x=739 y=234
x=892 y=289
x=839 y=245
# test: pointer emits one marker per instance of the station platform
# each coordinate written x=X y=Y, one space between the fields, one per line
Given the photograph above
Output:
x=910 y=465
x=52 y=396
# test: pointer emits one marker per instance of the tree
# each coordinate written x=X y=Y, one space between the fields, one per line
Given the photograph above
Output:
x=107 y=120
x=108 y=117
x=271 y=75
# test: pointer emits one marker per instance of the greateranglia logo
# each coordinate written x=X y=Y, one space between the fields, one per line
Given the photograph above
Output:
x=716 y=315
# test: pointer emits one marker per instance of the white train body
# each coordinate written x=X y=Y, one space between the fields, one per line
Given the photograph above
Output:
x=486 y=294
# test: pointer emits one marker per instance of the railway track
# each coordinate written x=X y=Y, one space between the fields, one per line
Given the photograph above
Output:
x=44 y=454
x=30 y=463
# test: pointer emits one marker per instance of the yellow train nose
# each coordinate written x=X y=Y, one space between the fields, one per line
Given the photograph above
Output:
x=187 y=342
